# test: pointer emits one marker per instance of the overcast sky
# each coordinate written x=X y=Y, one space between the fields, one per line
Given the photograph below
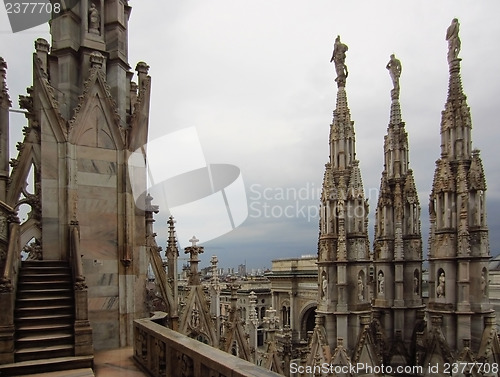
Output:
x=254 y=79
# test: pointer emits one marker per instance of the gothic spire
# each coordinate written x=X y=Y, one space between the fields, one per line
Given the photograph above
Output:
x=343 y=249
x=458 y=240
x=172 y=250
x=5 y=104
x=456 y=121
x=342 y=148
x=397 y=227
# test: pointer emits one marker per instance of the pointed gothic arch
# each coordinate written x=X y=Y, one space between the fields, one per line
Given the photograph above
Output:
x=307 y=318
x=95 y=123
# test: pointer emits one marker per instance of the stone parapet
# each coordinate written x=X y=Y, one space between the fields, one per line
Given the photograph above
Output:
x=167 y=353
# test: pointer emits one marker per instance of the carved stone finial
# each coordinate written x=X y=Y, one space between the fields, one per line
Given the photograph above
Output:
x=133 y=87
x=3 y=75
x=194 y=251
x=41 y=45
x=3 y=64
x=453 y=39
x=96 y=59
x=150 y=207
x=338 y=58
x=172 y=250
x=142 y=67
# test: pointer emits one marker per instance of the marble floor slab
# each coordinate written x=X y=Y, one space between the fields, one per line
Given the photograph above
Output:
x=116 y=363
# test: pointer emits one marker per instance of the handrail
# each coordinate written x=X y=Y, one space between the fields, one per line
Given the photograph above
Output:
x=76 y=259
x=6 y=283
x=82 y=330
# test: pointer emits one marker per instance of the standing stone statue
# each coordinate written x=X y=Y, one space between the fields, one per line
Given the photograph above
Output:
x=453 y=39
x=324 y=286
x=338 y=58
x=395 y=69
x=483 y=285
x=94 y=20
x=361 y=289
x=440 y=290
x=416 y=284
x=381 y=283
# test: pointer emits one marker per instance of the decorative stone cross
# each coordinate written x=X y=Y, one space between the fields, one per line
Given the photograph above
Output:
x=194 y=251
x=193 y=241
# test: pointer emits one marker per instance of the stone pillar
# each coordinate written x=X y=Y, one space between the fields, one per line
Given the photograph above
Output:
x=4 y=130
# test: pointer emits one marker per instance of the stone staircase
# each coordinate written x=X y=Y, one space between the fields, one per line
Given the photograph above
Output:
x=44 y=320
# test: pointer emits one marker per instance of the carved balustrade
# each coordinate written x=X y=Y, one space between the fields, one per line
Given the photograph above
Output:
x=163 y=352
x=9 y=267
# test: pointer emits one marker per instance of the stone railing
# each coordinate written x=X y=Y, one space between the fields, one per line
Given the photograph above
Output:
x=166 y=353
x=82 y=329
x=8 y=281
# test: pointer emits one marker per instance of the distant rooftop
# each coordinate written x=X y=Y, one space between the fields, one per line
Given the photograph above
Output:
x=495 y=264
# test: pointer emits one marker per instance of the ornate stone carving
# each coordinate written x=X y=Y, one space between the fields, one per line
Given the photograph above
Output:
x=453 y=39
x=395 y=69
x=361 y=288
x=324 y=286
x=338 y=58
x=94 y=20
x=34 y=250
x=441 y=287
x=381 y=283
x=96 y=59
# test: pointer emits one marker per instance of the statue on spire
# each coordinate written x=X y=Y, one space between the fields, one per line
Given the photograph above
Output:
x=338 y=58
x=453 y=40
x=395 y=69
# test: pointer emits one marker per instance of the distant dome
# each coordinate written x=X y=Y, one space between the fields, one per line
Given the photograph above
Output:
x=495 y=263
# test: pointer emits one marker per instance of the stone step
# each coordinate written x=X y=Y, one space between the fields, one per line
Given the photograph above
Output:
x=39 y=285
x=40 y=327
x=84 y=372
x=43 y=268
x=52 y=338
x=48 y=277
x=45 y=292
x=64 y=365
x=46 y=318
x=41 y=301
x=44 y=263
x=44 y=352
x=35 y=311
